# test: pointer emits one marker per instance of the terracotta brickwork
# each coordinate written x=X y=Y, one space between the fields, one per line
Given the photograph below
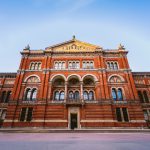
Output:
x=74 y=85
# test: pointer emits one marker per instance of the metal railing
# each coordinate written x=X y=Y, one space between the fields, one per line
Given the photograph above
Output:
x=78 y=101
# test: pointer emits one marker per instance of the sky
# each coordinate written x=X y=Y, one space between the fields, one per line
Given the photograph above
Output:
x=107 y=23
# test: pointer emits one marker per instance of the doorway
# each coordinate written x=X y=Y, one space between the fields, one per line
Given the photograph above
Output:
x=73 y=121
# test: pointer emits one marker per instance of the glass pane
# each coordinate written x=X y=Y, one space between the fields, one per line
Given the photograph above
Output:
x=84 y=65
x=118 y=114
x=76 y=96
x=56 y=65
x=85 y=95
x=56 y=96
x=91 y=95
x=145 y=97
x=141 y=96
x=115 y=66
x=125 y=114
x=3 y=96
x=28 y=94
x=91 y=65
x=29 y=114
x=63 y=65
x=120 y=97
x=34 y=94
x=71 y=95
x=62 y=95
x=77 y=65
x=59 y=66
x=114 y=95
x=23 y=113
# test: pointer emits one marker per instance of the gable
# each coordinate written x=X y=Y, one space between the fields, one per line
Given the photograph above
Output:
x=73 y=46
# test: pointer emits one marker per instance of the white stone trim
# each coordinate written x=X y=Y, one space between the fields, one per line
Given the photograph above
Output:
x=95 y=78
x=98 y=121
x=33 y=75
x=37 y=121
x=117 y=76
x=61 y=75
x=137 y=120
x=79 y=77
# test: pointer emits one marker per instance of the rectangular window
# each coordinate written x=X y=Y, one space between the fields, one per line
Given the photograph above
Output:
x=146 y=116
x=26 y=114
x=29 y=114
x=118 y=114
x=122 y=114
x=3 y=114
x=23 y=114
x=125 y=114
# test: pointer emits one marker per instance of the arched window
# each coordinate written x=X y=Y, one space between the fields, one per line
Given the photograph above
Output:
x=36 y=66
x=56 y=95
x=108 y=65
x=3 y=115
x=32 y=79
x=3 y=97
x=114 y=94
x=87 y=65
x=70 y=65
x=63 y=65
x=73 y=65
x=76 y=95
x=84 y=65
x=39 y=66
x=115 y=66
x=91 y=65
x=115 y=79
x=32 y=66
x=8 y=96
x=120 y=95
x=77 y=65
x=112 y=65
x=71 y=95
x=34 y=94
x=85 y=95
x=59 y=65
x=62 y=95
x=145 y=97
x=28 y=94
x=141 y=96
x=56 y=65
x=91 y=95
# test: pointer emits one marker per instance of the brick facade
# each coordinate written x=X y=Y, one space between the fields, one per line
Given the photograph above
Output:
x=74 y=85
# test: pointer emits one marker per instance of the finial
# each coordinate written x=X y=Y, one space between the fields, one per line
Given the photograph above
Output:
x=73 y=37
x=121 y=47
x=27 y=47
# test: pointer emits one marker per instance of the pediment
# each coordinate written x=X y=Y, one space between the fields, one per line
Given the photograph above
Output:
x=73 y=46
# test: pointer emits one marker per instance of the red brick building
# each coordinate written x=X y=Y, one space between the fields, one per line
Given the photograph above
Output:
x=74 y=85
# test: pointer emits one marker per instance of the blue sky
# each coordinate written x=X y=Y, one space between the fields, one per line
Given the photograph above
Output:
x=42 y=23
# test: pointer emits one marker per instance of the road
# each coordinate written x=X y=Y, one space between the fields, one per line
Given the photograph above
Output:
x=74 y=141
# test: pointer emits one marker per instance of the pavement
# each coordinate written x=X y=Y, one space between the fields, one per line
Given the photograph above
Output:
x=66 y=130
x=75 y=141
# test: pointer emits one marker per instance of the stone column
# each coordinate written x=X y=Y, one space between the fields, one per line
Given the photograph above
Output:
x=50 y=95
x=66 y=83
x=81 y=91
